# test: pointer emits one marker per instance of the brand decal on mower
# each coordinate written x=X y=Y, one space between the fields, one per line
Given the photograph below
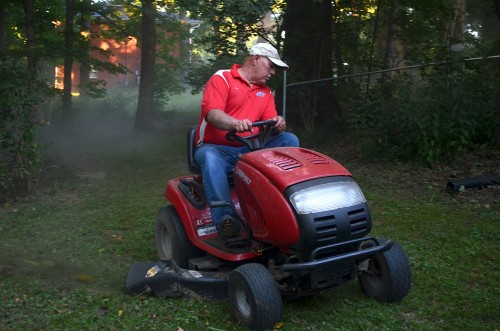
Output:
x=153 y=271
x=242 y=175
x=205 y=230
x=195 y=274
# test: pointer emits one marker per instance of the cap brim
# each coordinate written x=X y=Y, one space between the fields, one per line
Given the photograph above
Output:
x=279 y=63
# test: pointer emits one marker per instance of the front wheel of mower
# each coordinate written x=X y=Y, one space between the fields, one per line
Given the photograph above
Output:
x=387 y=277
x=254 y=296
x=172 y=242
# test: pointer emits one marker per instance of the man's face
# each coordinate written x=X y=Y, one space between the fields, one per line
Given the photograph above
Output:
x=265 y=69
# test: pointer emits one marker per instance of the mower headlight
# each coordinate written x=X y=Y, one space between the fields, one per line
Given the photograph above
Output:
x=326 y=197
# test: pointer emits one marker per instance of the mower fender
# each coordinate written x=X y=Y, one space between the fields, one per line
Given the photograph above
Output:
x=167 y=279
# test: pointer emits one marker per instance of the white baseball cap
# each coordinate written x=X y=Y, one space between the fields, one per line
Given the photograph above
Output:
x=265 y=49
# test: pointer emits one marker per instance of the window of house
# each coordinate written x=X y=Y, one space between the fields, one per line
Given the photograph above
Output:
x=93 y=73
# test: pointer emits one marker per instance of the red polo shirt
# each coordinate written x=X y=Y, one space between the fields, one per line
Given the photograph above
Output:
x=228 y=91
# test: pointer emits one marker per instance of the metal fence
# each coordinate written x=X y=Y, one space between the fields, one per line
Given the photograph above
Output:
x=377 y=72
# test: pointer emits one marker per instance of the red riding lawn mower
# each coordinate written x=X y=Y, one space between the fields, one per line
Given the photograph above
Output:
x=305 y=229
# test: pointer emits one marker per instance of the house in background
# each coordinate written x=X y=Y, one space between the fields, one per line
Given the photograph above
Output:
x=124 y=53
x=127 y=54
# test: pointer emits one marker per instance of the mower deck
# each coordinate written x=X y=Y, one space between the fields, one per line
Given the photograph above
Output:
x=167 y=279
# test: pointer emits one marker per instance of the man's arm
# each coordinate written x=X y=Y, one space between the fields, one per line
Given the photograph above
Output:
x=223 y=121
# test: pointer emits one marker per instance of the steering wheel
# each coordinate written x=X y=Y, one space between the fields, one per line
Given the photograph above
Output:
x=255 y=141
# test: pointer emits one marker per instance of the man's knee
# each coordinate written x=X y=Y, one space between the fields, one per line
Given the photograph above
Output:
x=285 y=139
x=292 y=140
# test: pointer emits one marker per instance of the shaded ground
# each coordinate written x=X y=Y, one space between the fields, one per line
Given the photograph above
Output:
x=65 y=250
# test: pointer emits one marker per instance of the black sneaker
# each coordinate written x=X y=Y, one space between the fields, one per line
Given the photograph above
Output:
x=228 y=228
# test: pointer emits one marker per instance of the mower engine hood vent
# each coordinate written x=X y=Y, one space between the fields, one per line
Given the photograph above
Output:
x=284 y=162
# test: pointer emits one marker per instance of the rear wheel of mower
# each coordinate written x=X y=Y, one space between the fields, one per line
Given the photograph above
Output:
x=172 y=242
x=388 y=276
x=254 y=296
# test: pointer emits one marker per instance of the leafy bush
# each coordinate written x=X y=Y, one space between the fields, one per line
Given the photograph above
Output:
x=437 y=121
x=119 y=103
x=20 y=159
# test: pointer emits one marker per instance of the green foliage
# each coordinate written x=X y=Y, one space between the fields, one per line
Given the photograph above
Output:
x=94 y=89
x=226 y=28
x=198 y=74
x=448 y=114
x=20 y=159
x=117 y=103
x=166 y=84
x=232 y=22
x=168 y=68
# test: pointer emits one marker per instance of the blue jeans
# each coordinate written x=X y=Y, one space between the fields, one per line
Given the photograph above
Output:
x=217 y=161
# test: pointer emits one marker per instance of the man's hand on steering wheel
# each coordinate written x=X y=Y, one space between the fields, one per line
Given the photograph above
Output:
x=242 y=125
x=280 y=125
x=246 y=125
x=255 y=141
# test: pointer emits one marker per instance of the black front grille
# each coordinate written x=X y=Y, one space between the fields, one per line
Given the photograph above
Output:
x=326 y=228
x=335 y=226
x=346 y=223
x=359 y=221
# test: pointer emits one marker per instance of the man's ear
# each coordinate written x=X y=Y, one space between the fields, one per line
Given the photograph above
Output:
x=256 y=59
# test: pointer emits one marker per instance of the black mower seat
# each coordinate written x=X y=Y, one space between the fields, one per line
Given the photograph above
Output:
x=191 y=146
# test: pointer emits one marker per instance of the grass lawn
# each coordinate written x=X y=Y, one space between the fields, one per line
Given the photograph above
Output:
x=65 y=251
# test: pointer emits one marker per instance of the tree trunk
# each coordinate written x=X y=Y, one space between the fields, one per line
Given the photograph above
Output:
x=455 y=30
x=372 y=45
x=2 y=30
x=145 y=101
x=30 y=38
x=394 y=51
x=393 y=56
x=68 y=57
x=497 y=7
x=308 y=46
x=337 y=41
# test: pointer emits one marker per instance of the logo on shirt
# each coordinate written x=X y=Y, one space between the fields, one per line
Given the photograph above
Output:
x=261 y=94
